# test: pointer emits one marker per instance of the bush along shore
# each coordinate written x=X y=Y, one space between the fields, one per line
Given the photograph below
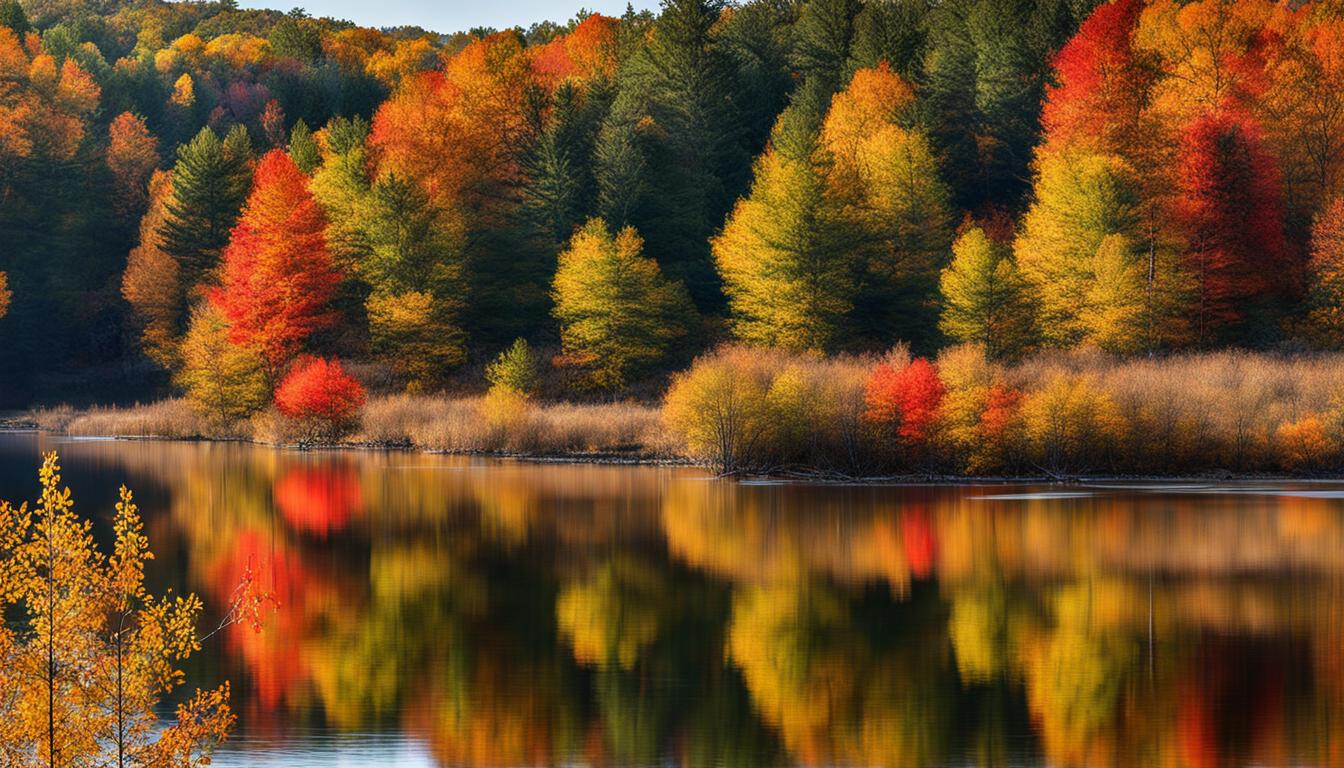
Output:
x=744 y=410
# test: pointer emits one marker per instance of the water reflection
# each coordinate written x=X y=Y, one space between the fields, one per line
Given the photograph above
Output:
x=449 y=611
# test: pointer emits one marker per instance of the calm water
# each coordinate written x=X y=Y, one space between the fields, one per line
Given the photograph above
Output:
x=447 y=611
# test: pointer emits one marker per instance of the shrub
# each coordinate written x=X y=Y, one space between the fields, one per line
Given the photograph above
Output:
x=322 y=398
x=719 y=407
x=1305 y=445
x=515 y=369
x=1070 y=424
x=904 y=402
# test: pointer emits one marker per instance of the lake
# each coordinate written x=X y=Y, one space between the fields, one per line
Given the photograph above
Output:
x=439 y=610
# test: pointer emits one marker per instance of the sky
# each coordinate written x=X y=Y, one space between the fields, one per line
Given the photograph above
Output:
x=450 y=15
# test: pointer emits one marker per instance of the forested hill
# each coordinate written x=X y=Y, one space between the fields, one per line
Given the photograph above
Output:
x=191 y=185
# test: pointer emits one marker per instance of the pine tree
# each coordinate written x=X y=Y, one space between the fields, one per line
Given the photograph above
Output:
x=821 y=39
x=619 y=317
x=892 y=31
x=210 y=182
x=985 y=300
x=788 y=254
x=303 y=148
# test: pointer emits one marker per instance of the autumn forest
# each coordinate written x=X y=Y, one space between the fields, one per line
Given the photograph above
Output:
x=269 y=212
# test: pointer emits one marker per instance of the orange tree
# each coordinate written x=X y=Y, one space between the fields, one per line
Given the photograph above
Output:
x=92 y=653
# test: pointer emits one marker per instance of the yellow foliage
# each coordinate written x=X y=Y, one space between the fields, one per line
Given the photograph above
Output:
x=1070 y=423
x=1305 y=444
x=225 y=381
x=410 y=329
x=84 y=673
x=611 y=617
x=5 y=294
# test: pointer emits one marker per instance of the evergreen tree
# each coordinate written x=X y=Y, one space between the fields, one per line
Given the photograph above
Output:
x=788 y=252
x=892 y=31
x=619 y=317
x=984 y=298
x=303 y=148
x=210 y=182
x=822 y=38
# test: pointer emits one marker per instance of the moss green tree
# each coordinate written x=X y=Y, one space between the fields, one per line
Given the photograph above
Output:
x=515 y=369
x=211 y=180
x=787 y=252
x=619 y=317
x=223 y=380
x=984 y=298
x=303 y=148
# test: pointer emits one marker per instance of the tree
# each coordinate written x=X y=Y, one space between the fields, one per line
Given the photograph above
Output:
x=904 y=403
x=787 y=254
x=132 y=156
x=1081 y=199
x=821 y=39
x=1326 y=270
x=278 y=279
x=224 y=381
x=152 y=282
x=210 y=183
x=1116 y=315
x=5 y=294
x=322 y=397
x=515 y=369
x=96 y=652
x=985 y=300
x=1231 y=212
x=303 y=149
x=619 y=317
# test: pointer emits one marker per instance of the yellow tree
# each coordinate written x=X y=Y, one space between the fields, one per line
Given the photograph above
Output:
x=984 y=297
x=225 y=381
x=152 y=282
x=93 y=652
x=618 y=315
x=787 y=256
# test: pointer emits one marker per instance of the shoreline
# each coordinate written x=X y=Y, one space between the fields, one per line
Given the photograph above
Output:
x=613 y=459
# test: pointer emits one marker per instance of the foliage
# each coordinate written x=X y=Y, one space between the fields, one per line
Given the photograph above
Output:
x=95 y=653
x=904 y=403
x=619 y=317
x=1326 y=271
x=515 y=369
x=985 y=300
x=278 y=277
x=5 y=294
x=210 y=183
x=224 y=380
x=319 y=394
x=132 y=155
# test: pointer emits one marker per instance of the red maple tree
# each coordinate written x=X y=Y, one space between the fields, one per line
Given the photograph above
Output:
x=278 y=277
x=1232 y=210
x=904 y=401
x=319 y=393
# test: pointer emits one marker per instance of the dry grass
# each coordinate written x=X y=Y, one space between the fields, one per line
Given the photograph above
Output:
x=174 y=419
x=475 y=424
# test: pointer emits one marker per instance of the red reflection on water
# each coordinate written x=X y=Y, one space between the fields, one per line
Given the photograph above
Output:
x=921 y=540
x=319 y=500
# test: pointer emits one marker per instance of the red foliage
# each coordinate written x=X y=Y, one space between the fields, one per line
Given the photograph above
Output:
x=319 y=389
x=1000 y=408
x=1100 y=86
x=905 y=401
x=920 y=540
x=278 y=277
x=319 y=500
x=1231 y=206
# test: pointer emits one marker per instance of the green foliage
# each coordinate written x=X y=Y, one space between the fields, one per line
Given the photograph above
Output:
x=515 y=369
x=985 y=300
x=303 y=148
x=210 y=182
x=619 y=317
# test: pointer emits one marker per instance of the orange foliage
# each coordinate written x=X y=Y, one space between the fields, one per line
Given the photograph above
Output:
x=278 y=274
x=458 y=132
x=132 y=155
x=319 y=500
x=587 y=53
x=905 y=402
